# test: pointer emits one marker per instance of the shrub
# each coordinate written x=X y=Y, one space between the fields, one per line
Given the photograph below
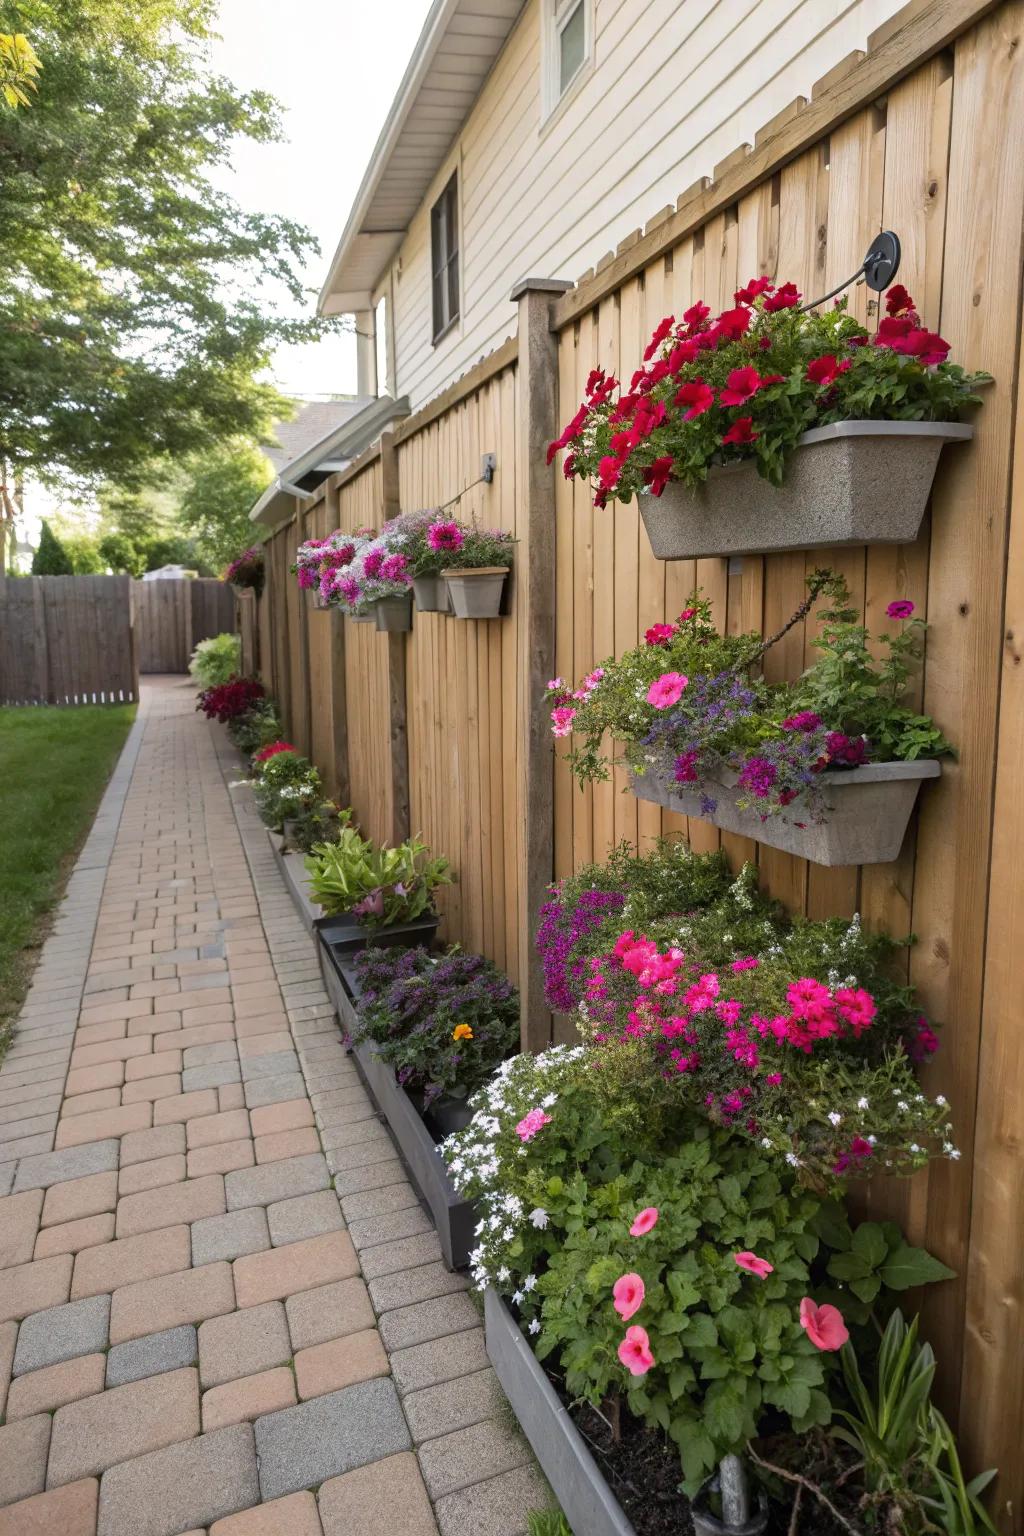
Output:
x=286 y=784
x=231 y=700
x=247 y=569
x=256 y=727
x=749 y=383
x=50 y=557
x=216 y=660
x=380 y=886
x=444 y=1023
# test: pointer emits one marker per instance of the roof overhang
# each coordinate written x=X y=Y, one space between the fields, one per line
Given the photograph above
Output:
x=454 y=55
x=305 y=474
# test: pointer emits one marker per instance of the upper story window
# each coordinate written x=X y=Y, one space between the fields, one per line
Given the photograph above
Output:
x=444 y=255
x=568 y=45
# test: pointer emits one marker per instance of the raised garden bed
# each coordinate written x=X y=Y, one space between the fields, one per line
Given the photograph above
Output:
x=867 y=813
x=854 y=482
x=293 y=868
x=454 y=1217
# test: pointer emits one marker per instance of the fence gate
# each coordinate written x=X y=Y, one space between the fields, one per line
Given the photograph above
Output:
x=172 y=616
x=67 y=640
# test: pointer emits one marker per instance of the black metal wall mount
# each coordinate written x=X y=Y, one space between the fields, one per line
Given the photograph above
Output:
x=877 y=270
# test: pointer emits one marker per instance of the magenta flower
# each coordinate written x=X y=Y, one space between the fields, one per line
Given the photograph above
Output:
x=561 y=720
x=530 y=1124
x=644 y=1221
x=667 y=690
x=900 y=610
x=445 y=536
x=350 y=589
x=635 y=1351
x=753 y=1265
x=824 y=1325
x=628 y=1291
x=395 y=568
x=373 y=563
x=805 y=720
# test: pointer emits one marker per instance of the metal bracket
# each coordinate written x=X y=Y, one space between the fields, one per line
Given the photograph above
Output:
x=488 y=464
x=877 y=270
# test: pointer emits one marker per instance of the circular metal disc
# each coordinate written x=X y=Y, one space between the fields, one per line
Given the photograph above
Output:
x=882 y=261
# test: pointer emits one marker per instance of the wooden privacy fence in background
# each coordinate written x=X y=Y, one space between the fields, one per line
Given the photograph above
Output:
x=924 y=135
x=172 y=615
x=67 y=640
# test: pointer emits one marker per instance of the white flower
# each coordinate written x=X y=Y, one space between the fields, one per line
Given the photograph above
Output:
x=504 y=1273
x=940 y=1100
x=873 y=1140
x=915 y=1148
x=539 y=1217
x=517 y=1297
x=792 y=1160
x=529 y=1282
x=903 y=1106
x=508 y=1234
x=548 y=1099
x=863 y=1104
x=765 y=1142
x=835 y=1117
x=535 y=1326
x=951 y=1151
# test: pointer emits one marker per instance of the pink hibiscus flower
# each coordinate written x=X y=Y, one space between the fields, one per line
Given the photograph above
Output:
x=635 y=1351
x=628 y=1291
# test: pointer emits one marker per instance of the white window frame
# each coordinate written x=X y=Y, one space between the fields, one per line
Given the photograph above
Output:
x=555 y=14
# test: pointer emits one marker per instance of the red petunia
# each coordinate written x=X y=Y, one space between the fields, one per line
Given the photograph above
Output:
x=733 y=323
x=608 y=472
x=657 y=475
x=892 y=329
x=825 y=370
x=661 y=330
x=927 y=346
x=696 y=314
x=741 y=431
x=786 y=297
x=682 y=353
x=753 y=290
x=742 y=385
x=898 y=300
x=698 y=397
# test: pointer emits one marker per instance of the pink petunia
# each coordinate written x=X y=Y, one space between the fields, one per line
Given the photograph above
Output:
x=530 y=1124
x=644 y=1221
x=901 y=609
x=667 y=690
x=628 y=1292
x=659 y=634
x=753 y=1265
x=823 y=1325
x=445 y=535
x=635 y=1351
x=561 y=720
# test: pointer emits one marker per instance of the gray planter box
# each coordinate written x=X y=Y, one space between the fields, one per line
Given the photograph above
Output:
x=867 y=815
x=476 y=594
x=431 y=594
x=855 y=482
x=363 y=618
x=586 y=1499
x=293 y=868
x=394 y=614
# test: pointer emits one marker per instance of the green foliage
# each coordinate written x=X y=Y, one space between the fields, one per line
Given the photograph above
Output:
x=51 y=558
x=19 y=69
x=872 y=1256
x=216 y=659
x=258 y=727
x=547 y=1522
x=381 y=886
x=138 y=311
x=286 y=785
x=480 y=548
x=220 y=489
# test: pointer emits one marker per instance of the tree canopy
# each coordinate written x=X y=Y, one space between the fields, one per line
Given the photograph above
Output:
x=133 y=314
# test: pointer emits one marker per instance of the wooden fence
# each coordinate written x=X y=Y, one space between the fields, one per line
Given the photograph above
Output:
x=67 y=640
x=173 y=615
x=923 y=135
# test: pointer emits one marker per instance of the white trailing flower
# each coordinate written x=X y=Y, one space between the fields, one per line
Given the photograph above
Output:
x=539 y=1217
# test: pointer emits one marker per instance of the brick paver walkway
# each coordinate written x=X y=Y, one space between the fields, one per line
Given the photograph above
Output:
x=222 y=1307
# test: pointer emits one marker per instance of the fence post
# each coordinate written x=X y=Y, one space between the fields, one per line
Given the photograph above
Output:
x=536 y=404
x=397 y=714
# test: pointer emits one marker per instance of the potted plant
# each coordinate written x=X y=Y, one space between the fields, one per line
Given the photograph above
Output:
x=232 y=700
x=827 y=768
x=476 y=563
x=773 y=427
x=373 y=894
x=247 y=570
x=320 y=564
x=420 y=536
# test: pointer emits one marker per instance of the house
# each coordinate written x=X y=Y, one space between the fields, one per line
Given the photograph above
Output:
x=530 y=139
x=321 y=439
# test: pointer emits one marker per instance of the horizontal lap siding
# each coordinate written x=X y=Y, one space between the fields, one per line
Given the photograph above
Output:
x=461 y=684
x=914 y=163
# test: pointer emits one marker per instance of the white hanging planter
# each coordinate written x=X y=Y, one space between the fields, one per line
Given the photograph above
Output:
x=854 y=482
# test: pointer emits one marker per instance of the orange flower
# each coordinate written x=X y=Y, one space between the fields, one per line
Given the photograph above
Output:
x=462 y=1032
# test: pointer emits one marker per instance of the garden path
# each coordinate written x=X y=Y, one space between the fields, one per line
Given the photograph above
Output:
x=222 y=1306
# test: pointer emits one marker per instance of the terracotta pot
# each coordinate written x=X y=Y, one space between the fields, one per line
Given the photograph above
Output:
x=476 y=593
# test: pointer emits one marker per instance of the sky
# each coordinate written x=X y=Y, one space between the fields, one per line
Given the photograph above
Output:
x=303 y=54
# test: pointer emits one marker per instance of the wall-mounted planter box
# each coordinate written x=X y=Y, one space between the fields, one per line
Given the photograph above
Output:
x=866 y=817
x=394 y=614
x=431 y=594
x=855 y=482
x=586 y=1499
x=363 y=618
x=476 y=594
x=293 y=868
x=346 y=934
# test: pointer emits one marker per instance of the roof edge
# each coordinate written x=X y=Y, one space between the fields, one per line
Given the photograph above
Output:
x=277 y=501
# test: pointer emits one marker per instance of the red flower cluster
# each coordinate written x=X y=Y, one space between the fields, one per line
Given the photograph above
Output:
x=229 y=700
x=902 y=331
x=274 y=750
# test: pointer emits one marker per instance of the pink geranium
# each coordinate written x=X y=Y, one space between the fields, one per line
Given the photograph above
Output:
x=667 y=690
x=628 y=1292
x=902 y=608
x=530 y=1124
x=445 y=535
x=635 y=1351
x=823 y=1325
x=644 y=1221
x=753 y=1265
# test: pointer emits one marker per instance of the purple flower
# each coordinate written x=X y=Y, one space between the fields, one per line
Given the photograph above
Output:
x=758 y=776
x=901 y=609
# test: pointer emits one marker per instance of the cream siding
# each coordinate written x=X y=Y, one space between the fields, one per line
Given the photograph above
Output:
x=676 y=86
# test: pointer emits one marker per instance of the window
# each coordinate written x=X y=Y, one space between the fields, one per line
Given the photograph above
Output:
x=568 y=43
x=444 y=252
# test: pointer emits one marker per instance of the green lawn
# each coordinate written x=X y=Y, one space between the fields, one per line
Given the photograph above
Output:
x=54 y=766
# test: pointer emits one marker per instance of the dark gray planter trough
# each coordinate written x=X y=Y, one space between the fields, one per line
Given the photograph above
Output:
x=866 y=820
x=854 y=482
x=293 y=868
x=586 y=1499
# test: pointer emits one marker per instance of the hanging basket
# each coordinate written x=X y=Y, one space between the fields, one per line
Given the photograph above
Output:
x=866 y=810
x=431 y=594
x=394 y=614
x=854 y=482
x=476 y=593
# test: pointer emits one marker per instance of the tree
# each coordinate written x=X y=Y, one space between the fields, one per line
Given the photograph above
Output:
x=51 y=558
x=218 y=495
x=134 y=314
x=19 y=69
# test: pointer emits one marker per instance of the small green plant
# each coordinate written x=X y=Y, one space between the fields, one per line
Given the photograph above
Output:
x=287 y=785
x=216 y=660
x=381 y=886
x=547 y=1522
x=257 y=727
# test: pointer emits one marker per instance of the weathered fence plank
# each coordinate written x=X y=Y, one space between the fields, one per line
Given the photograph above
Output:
x=66 y=640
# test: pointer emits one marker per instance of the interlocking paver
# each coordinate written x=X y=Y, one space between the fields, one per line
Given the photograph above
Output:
x=144 y=1146
x=73 y=1236
x=153 y=1174
x=403 y=1254
x=386 y=1498
x=439 y=1360
x=131 y=1259
x=221 y=1157
x=149 y=1089
x=85 y=1103
x=411 y=1285
x=185 y=1202
x=182 y=1107
x=79 y=1198
x=195 y=1482
x=297 y=1267
x=277 y=1181
x=153 y=1305
x=302 y=1447
x=62 y=1333
x=53 y=1386
x=361 y=1204
x=122 y=1423
x=304 y=1216
x=110 y=1074
x=495 y=1507
x=48 y=1168
x=340 y=1363
x=287 y=1144
x=19 y=1222
x=226 y=1125
x=294 y=1515
x=243 y=1344
x=471 y=1455
x=23 y=1449
x=248 y=1398
x=32 y=1287
x=368 y=1231
x=329 y=1312
x=229 y=1236
x=427 y=1320
x=287 y=1115
x=274 y=1090
x=453 y=1405
x=70 y=1510
x=8 y=1338
x=373 y=1176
